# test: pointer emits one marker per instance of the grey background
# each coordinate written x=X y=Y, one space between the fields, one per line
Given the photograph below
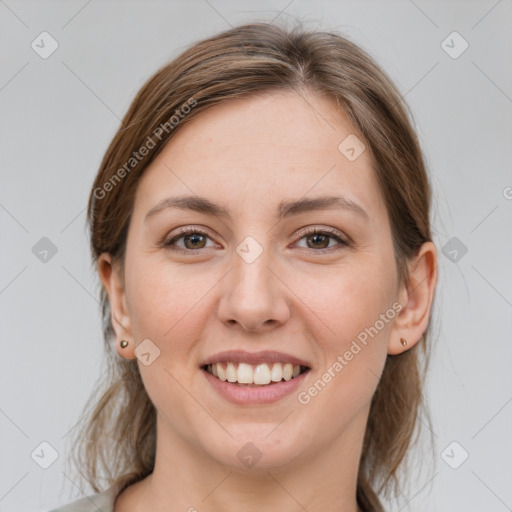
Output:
x=58 y=116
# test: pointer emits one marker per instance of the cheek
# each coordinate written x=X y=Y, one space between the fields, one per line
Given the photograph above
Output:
x=351 y=326
x=347 y=300
x=166 y=307
x=359 y=315
x=166 y=303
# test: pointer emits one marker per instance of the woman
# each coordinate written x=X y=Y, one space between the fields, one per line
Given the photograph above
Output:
x=260 y=226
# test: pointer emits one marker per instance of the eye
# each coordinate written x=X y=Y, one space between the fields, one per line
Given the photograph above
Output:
x=193 y=238
x=319 y=238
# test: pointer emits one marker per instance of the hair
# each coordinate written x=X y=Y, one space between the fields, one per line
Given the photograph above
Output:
x=119 y=437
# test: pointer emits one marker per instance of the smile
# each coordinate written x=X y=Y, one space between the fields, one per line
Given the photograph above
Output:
x=254 y=374
x=254 y=378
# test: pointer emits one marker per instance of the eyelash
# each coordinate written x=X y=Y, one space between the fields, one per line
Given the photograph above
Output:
x=331 y=233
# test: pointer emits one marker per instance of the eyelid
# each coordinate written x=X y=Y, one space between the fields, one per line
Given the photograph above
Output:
x=184 y=231
x=336 y=233
x=343 y=241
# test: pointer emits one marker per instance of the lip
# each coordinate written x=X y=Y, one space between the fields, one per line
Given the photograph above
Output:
x=254 y=395
x=266 y=356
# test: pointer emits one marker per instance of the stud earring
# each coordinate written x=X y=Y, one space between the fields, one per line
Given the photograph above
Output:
x=403 y=341
x=124 y=343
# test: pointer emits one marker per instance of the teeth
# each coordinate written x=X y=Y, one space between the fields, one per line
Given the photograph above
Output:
x=245 y=374
x=261 y=374
x=277 y=372
x=287 y=371
x=231 y=373
x=221 y=373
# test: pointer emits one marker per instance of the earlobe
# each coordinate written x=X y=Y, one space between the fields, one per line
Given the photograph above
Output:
x=416 y=299
x=126 y=349
x=110 y=276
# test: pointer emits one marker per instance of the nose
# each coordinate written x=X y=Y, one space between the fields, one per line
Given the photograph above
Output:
x=254 y=297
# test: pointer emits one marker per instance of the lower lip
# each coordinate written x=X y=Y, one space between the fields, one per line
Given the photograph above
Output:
x=253 y=395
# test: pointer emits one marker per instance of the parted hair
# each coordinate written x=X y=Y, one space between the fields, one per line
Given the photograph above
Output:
x=116 y=440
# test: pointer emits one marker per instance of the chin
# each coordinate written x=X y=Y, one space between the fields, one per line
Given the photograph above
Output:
x=255 y=448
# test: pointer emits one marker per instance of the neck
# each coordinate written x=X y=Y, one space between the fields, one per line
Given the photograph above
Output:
x=187 y=479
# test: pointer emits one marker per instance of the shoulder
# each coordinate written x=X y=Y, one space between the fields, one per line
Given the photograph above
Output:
x=103 y=501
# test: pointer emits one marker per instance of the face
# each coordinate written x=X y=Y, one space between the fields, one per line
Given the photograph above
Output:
x=253 y=278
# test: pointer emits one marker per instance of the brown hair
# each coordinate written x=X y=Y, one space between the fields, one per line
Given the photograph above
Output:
x=119 y=437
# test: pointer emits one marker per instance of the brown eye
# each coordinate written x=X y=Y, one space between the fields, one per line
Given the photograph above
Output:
x=320 y=239
x=193 y=239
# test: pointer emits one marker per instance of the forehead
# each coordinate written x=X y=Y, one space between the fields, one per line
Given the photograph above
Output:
x=261 y=149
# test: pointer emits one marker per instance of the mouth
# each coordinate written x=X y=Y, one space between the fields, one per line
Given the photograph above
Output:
x=254 y=375
x=255 y=378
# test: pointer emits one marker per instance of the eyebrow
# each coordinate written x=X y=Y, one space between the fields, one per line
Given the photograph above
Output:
x=284 y=209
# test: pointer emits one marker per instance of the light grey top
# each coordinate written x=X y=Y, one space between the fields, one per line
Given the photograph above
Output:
x=99 y=502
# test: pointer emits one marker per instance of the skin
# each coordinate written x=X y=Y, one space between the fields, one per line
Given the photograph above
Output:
x=297 y=297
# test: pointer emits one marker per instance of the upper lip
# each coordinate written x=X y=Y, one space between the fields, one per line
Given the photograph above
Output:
x=266 y=356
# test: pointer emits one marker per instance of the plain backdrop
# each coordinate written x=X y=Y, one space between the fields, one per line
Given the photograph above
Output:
x=58 y=115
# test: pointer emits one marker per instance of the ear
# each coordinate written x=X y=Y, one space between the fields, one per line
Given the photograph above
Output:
x=416 y=299
x=110 y=275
